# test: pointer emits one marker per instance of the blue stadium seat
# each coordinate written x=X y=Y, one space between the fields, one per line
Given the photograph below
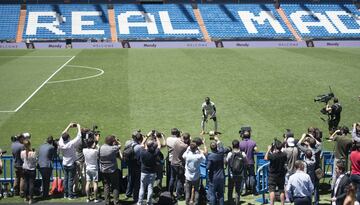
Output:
x=9 y=19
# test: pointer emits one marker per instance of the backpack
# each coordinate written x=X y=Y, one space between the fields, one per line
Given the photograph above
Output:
x=129 y=152
x=237 y=163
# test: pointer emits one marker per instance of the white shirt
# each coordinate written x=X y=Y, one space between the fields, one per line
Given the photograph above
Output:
x=192 y=164
x=69 y=149
x=209 y=109
x=91 y=158
x=29 y=161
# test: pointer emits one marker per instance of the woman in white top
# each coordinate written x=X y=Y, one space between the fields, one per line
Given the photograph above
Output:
x=29 y=157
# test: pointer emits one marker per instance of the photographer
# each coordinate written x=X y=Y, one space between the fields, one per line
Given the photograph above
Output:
x=306 y=142
x=16 y=147
x=108 y=154
x=343 y=143
x=29 y=166
x=277 y=170
x=193 y=157
x=91 y=156
x=250 y=148
x=215 y=166
x=149 y=157
x=235 y=160
x=46 y=155
x=131 y=156
x=334 y=112
x=178 y=166
x=1 y=170
x=68 y=149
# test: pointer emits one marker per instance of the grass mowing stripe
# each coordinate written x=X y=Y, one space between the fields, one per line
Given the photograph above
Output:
x=23 y=103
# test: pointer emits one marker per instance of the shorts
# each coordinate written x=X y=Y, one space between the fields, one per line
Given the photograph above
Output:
x=92 y=175
x=278 y=182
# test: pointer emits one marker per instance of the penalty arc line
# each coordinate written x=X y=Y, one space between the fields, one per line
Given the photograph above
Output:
x=61 y=67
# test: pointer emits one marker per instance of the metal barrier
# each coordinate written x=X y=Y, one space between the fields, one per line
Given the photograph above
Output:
x=262 y=178
x=8 y=170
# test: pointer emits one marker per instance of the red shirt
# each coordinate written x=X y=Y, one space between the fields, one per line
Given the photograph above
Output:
x=355 y=162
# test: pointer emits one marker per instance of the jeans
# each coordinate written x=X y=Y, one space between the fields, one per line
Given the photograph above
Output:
x=355 y=178
x=19 y=181
x=178 y=180
x=189 y=185
x=250 y=178
x=111 y=180
x=316 y=191
x=69 y=172
x=147 y=181
x=45 y=175
x=130 y=182
x=80 y=178
x=29 y=176
x=216 y=191
x=237 y=182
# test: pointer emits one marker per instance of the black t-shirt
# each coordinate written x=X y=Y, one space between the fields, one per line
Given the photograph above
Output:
x=149 y=161
x=335 y=111
x=277 y=164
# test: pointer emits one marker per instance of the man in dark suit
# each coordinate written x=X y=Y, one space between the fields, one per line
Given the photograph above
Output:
x=338 y=193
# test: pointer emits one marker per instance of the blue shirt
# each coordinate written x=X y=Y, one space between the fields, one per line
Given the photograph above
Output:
x=192 y=164
x=215 y=165
x=299 y=185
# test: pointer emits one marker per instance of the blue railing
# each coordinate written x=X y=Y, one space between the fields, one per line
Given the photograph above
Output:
x=8 y=170
x=262 y=178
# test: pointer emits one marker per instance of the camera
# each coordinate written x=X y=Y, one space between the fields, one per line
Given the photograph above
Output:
x=244 y=129
x=74 y=125
x=325 y=98
x=343 y=130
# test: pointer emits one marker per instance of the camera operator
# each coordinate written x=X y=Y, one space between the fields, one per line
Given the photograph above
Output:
x=170 y=142
x=334 y=112
x=356 y=132
x=343 y=143
x=277 y=170
x=1 y=169
x=68 y=149
x=250 y=148
x=215 y=166
x=108 y=154
x=46 y=155
x=16 y=148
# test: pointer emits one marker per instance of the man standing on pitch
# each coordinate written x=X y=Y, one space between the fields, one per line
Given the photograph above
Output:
x=208 y=111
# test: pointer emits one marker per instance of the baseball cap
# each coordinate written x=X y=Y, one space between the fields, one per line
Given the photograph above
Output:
x=290 y=141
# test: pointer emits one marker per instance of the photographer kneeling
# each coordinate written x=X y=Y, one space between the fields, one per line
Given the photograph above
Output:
x=277 y=170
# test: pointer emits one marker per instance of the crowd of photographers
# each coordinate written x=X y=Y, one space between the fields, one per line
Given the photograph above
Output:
x=294 y=170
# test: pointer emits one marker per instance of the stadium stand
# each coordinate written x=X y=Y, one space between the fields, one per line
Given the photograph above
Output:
x=324 y=21
x=61 y=21
x=229 y=21
x=9 y=17
x=246 y=21
x=169 y=21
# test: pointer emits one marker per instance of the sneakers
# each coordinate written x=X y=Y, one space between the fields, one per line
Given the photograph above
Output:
x=97 y=200
x=87 y=200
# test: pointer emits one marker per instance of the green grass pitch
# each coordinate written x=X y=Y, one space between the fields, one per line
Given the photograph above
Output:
x=269 y=89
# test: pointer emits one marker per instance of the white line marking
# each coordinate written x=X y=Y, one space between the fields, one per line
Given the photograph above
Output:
x=1 y=111
x=35 y=56
x=22 y=104
x=83 y=78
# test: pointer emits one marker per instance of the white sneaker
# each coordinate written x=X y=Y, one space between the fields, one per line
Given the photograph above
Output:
x=97 y=200
x=87 y=200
